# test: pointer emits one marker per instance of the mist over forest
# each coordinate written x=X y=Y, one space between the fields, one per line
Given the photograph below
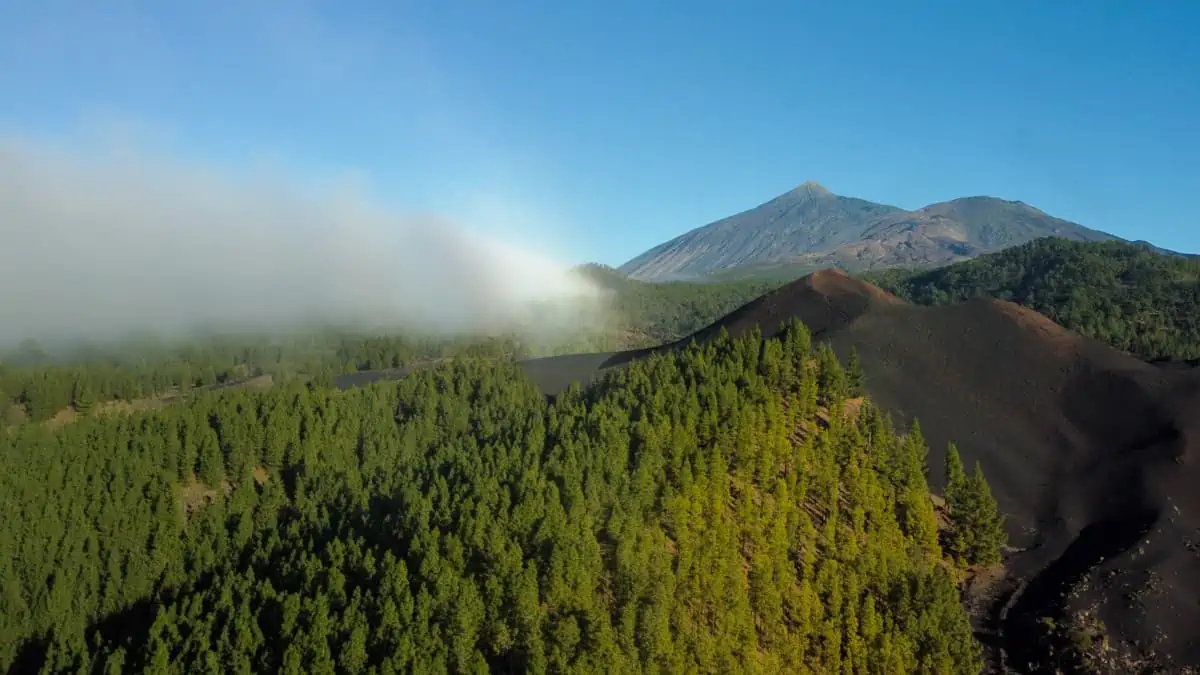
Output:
x=105 y=241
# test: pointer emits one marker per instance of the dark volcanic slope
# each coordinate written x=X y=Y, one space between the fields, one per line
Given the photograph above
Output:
x=1091 y=452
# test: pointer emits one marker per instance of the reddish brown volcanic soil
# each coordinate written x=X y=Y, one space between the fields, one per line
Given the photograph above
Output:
x=1090 y=452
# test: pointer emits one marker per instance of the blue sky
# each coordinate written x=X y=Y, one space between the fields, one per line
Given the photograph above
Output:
x=603 y=128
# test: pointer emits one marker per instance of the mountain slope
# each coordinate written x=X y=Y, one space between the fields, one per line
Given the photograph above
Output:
x=1090 y=452
x=814 y=227
x=807 y=218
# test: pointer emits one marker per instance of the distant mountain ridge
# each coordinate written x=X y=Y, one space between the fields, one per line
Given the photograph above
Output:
x=810 y=225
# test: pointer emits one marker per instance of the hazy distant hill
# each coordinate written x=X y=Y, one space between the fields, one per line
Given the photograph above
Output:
x=812 y=227
x=649 y=314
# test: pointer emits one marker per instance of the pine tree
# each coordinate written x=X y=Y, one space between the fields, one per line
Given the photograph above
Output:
x=82 y=398
x=830 y=377
x=212 y=464
x=987 y=521
x=856 y=379
x=956 y=476
x=976 y=533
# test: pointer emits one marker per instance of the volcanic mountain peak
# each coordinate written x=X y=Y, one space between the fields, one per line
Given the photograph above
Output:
x=830 y=299
x=812 y=226
x=831 y=274
x=824 y=301
x=812 y=188
x=833 y=282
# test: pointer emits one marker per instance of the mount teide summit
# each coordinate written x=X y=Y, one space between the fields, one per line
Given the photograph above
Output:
x=812 y=226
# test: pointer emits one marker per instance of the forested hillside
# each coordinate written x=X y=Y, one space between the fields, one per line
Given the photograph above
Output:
x=722 y=508
x=650 y=314
x=1127 y=295
x=38 y=382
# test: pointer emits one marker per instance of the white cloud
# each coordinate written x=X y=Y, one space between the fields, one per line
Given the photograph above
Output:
x=100 y=239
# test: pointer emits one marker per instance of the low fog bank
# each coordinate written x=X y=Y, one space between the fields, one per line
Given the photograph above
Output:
x=99 y=244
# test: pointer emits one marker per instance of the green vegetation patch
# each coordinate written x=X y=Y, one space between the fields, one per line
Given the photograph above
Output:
x=1126 y=295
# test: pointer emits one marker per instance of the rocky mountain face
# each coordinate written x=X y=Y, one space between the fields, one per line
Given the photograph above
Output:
x=812 y=226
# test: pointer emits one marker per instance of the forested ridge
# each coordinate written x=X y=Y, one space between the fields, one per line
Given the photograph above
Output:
x=727 y=507
x=1127 y=295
